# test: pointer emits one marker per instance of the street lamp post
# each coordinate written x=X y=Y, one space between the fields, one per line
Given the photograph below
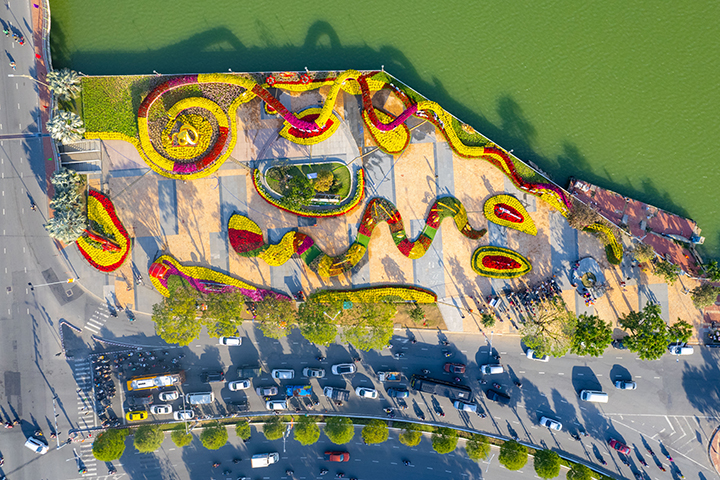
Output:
x=32 y=287
x=28 y=76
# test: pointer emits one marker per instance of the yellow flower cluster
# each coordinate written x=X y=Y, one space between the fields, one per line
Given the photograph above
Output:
x=527 y=225
x=203 y=128
x=198 y=273
x=355 y=253
x=391 y=142
x=112 y=136
x=276 y=255
x=240 y=222
x=615 y=246
x=376 y=294
x=311 y=140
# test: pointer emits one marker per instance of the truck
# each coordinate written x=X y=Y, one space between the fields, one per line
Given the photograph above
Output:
x=249 y=371
x=264 y=459
x=389 y=376
x=336 y=393
x=440 y=387
x=298 y=391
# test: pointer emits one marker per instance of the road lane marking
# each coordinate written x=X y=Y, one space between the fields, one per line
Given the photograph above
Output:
x=18 y=106
x=561 y=373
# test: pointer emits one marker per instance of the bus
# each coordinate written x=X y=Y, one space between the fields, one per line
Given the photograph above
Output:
x=440 y=387
x=155 y=381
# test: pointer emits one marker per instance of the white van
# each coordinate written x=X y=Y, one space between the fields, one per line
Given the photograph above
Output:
x=594 y=396
x=676 y=349
x=36 y=445
x=200 y=398
x=491 y=369
x=264 y=459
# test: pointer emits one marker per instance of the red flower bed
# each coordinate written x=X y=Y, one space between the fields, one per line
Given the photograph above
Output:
x=508 y=213
x=499 y=262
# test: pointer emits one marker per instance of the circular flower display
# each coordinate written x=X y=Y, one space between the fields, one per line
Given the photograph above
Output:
x=499 y=262
x=108 y=251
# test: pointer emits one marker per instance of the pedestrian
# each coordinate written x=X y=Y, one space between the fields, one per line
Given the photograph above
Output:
x=6 y=31
x=13 y=65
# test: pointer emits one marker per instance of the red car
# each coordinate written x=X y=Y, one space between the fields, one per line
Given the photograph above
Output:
x=337 y=456
x=619 y=446
x=455 y=368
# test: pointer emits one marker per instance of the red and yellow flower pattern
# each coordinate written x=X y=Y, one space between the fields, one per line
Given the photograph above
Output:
x=507 y=211
x=101 y=210
x=377 y=294
x=499 y=262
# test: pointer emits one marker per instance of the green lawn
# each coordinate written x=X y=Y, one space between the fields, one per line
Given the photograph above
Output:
x=110 y=104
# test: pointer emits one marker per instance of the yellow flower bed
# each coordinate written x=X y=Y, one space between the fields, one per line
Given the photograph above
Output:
x=203 y=128
x=240 y=222
x=312 y=140
x=391 y=142
x=615 y=246
x=376 y=294
x=276 y=255
x=526 y=226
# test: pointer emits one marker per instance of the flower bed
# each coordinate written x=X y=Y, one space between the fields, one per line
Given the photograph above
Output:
x=393 y=141
x=314 y=136
x=377 y=294
x=204 y=280
x=108 y=252
x=507 y=211
x=499 y=262
x=613 y=249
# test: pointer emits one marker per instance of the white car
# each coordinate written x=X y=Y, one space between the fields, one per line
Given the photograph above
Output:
x=276 y=405
x=314 y=372
x=168 y=396
x=230 y=341
x=36 y=446
x=343 y=368
x=365 y=392
x=283 y=374
x=532 y=356
x=680 y=349
x=625 y=385
x=160 y=409
x=550 y=423
x=465 y=407
x=184 y=415
x=239 y=385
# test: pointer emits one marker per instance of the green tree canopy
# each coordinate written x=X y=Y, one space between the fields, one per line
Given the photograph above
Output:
x=551 y=330
x=315 y=325
x=180 y=437
x=643 y=253
x=274 y=428
x=275 y=318
x=410 y=435
x=680 y=331
x=214 y=437
x=513 y=456
x=592 y=336
x=547 y=464
x=339 y=430
x=648 y=332
x=110 y=445
x=704 y=295
x=373 y=327
x=176 y=316
x=669 y=271
x=65 y=127
x=306 y=431
x=148 y=438
x=477 y=447
x=376 y=431
x=298 y=192
x=324 y=180
x=417 y=313
x=712 y=271
x=64 y=83
x=69 y=219
x=242 y=429
x=224 y=312
x=487 y=320
x=444 y=440
x=579 y=472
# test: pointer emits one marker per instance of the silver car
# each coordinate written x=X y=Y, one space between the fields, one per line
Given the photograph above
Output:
x=236 y=385
x=266 y=391
x=276 y=405
x=283 y=374
x=343 y=369
x=314 y=372
x=625 y=385
x=160 y=409
x=550 y=423
x=465 y=407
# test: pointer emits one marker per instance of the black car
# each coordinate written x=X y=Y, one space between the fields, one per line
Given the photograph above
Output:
x=139 y=400
x=237 y=406
x=496 y=396
x=210 y=377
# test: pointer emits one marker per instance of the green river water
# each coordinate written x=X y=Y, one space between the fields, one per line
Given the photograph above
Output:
x=624 y=94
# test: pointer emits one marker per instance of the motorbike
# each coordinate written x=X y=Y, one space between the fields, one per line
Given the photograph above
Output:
x=425 y=371
x=447 y=354
x=398 y=356
x=518 y=384
x=496 y=385
x=324 y=471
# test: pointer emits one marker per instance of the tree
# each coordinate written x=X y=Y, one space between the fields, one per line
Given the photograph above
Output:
x=214 y=437
x=242 y=429
x=547 y=464
x=224 y=312
x=680 y=331
x=298 y=192
x=579 y=472
x=306 y=431
x=180 y=437
x=314 y=324
x=581 y=215
x=373 y=328
x=339 y=430
x=551 y=330
x=110 y=445
x=324 y=181
x=592 y=336
x=65 y=127
x=64 y=83
x=648 y=332
x=643 y=253
x=477 y=447
x=704 y=295
x=513 y=456
x=410 y=436
x=148 y=438
x=444 y=440
x=176 y=316
x=712 y=271
x=275 y=317
x=69 y=219
x=669 y=271
x=487 y=320
x=376 y=431
x=274 y=428
x=417 y=313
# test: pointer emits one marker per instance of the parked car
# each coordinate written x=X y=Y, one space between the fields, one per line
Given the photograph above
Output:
x=160 y=409
x=136 y=415
x=496 y=396
x=454 y=368
x=282 y=374
x=491 y=369
x=36 y=445
x=465 y=407
x=619 y=446
x=534 y=356
x=230 y=341
x=550 y=423
x=266 y=391
x=168 y=396
x=139 y=400
x=276 y=405
x=314 y=372
x=343 y=369
x=625 y=385
x=365 y=392
x=619 y=345
x=337 y=456
x=680 y=349
x=184 y=415
x=236 y=385
x=213 y=376
x=398 y=393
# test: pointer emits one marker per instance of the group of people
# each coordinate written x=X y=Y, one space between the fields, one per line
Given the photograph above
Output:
x=16 y=38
